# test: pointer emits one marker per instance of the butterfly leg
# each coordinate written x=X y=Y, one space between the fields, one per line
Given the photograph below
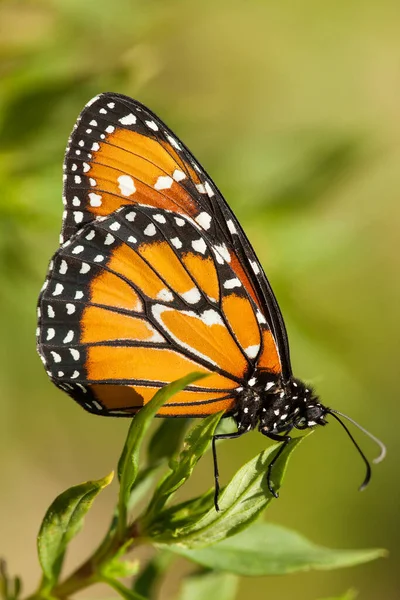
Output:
x=220 y=436
x=284 y=439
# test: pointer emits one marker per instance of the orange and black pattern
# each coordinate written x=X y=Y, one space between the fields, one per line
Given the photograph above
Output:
x=154 y=277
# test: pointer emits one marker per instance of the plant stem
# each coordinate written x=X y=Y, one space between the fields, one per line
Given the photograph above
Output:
x=89 y=572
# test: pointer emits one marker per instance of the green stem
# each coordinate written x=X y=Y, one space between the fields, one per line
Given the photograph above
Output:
x=89 y=572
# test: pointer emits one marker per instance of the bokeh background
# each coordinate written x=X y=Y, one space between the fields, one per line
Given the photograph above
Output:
x=294 y=109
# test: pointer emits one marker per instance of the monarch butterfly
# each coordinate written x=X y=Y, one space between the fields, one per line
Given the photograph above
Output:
x=155 y=278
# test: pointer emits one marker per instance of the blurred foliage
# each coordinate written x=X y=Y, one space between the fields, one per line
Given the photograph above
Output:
x=293 y=108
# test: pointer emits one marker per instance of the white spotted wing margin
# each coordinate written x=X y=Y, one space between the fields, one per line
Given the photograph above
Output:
x=67 y=294
x=214 y=217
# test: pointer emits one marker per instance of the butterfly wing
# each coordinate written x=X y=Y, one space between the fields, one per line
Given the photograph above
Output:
x=121 y=154
x=140 y=298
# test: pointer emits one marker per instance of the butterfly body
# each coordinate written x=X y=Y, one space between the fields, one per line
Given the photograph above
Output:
x=155 y=278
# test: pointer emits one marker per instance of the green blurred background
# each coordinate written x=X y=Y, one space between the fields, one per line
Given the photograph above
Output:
x=294 y=110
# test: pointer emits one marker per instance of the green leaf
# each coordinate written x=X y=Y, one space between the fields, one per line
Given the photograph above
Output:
x=195 y=444
x=143 y=484
x=166 y=440
x=62 y=522
x=128 y=466
x=148 y=580
x=241 y=502
x=209 y=585
x=179 y=515
x=122 y=590
x=266 y=549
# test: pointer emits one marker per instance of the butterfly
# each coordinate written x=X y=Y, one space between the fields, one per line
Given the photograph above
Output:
x=155 y=278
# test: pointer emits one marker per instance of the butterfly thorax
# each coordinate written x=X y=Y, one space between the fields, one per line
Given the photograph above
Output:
x=277 y=407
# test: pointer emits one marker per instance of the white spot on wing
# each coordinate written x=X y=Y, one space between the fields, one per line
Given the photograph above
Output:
x=69 y=337
x=173 y=142
x=192 y=296
x=223 y=251
x=109 y=239
x=95 y=199
x=260 y=318
x=211 y=317
x=252 y=351
x=152 y=125
x=165 y=295
x=56 y=356
x=85 y=268
x=199 y=245
x=159 y=218
x=232 y=283
x=209 y=190
x=126 y=185
x=231 y=226
x=70 y=308
x=150 y=230
x=58 y=289
x=163 y=182
x=128 y=119
x=204 y=220
x=176 y=242
x=178 y=175
x=255 y=267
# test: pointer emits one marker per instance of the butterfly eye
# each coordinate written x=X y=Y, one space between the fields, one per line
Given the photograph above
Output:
x=314 y=413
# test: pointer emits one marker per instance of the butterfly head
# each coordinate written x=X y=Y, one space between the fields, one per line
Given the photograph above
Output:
x=295 y=406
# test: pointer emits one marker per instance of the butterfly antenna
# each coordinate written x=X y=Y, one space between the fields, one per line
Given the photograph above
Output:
x=367 y=478
x=377 y=441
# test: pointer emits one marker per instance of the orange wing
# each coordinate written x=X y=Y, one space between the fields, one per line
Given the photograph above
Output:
x=120 y=153
x=140 y=298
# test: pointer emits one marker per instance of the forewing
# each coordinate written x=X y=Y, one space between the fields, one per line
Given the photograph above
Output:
x=121 y=154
